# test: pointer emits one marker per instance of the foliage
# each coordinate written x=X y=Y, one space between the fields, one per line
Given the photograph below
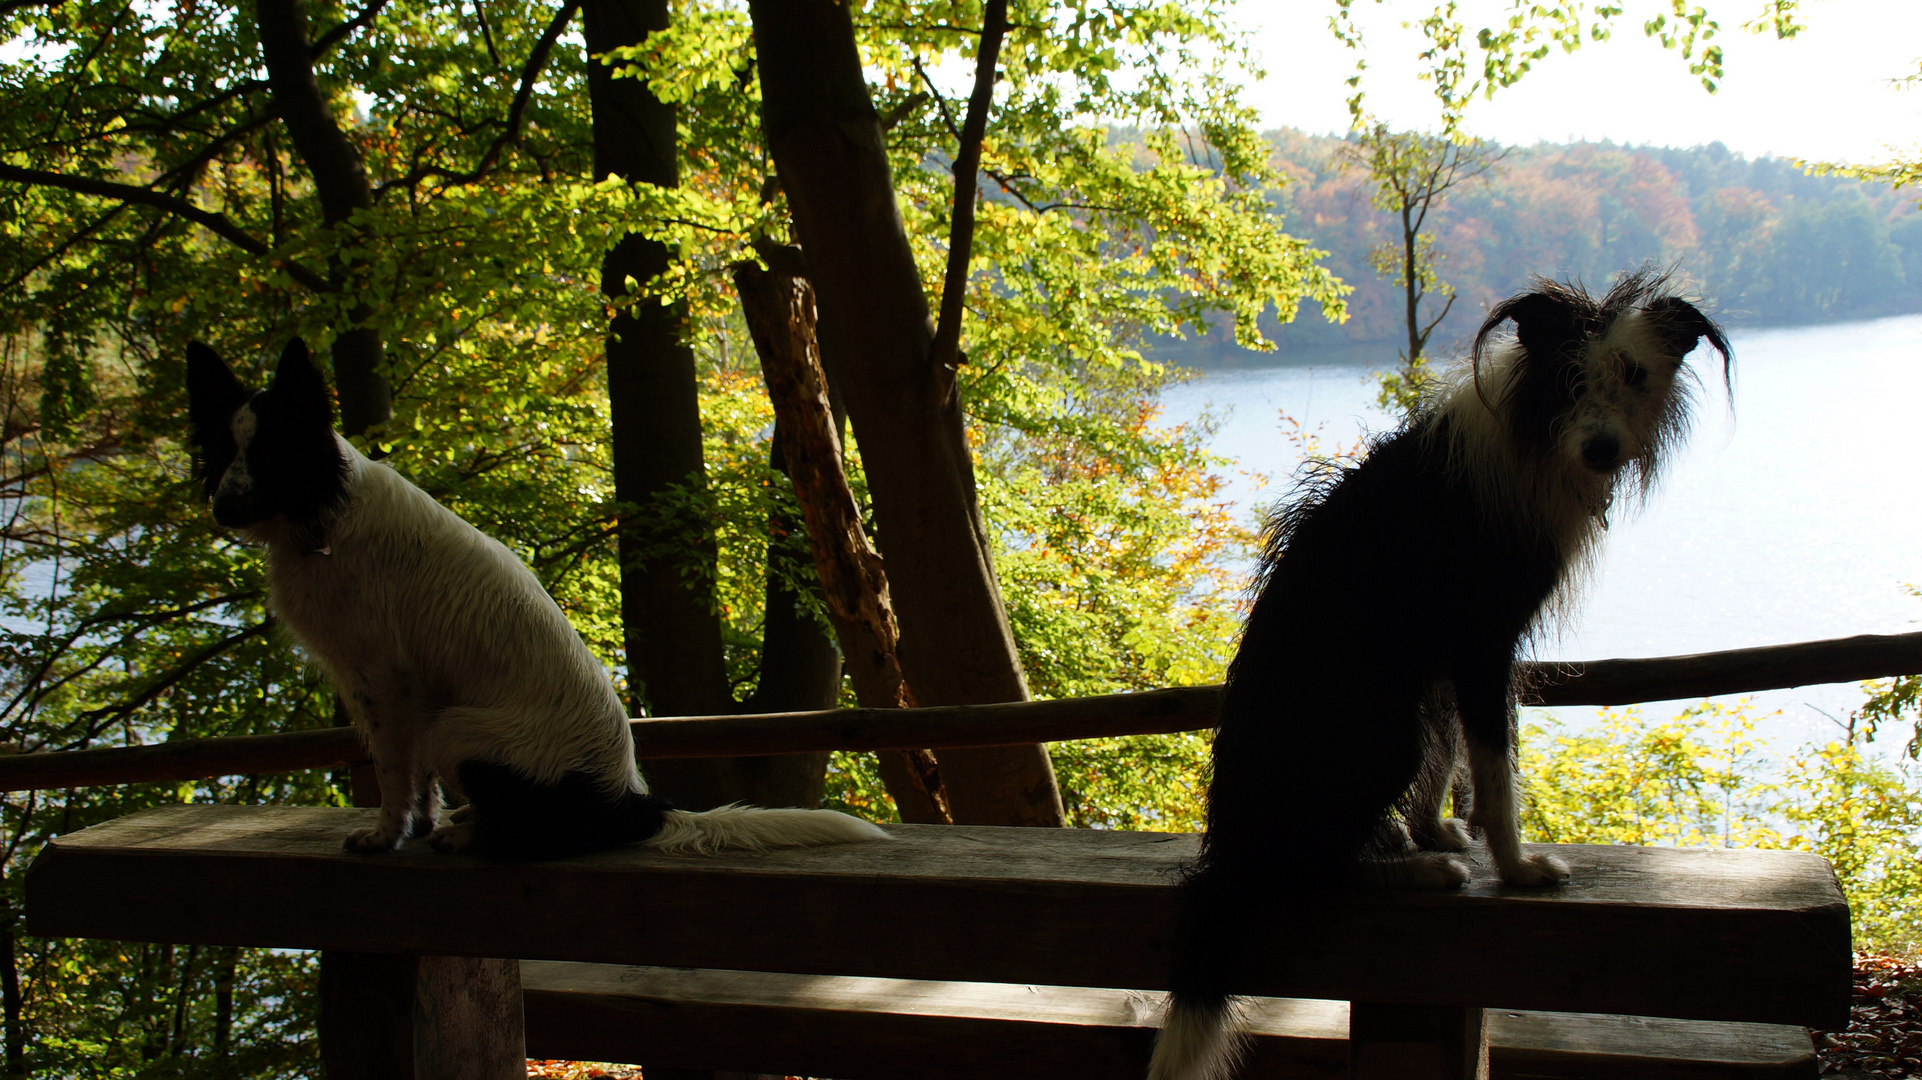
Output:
x=127 y=618
x=1528 y=33
x=1413 y=174
x=1764 y=242
x=1156 y=783
x=1895 y=701
x=1703 y=780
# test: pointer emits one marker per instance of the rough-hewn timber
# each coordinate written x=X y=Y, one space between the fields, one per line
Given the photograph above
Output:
x=1714 y=935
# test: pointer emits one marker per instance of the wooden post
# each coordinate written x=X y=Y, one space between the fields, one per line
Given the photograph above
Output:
x=1417 y=1042
x=386 y=1016
x=398 y=1017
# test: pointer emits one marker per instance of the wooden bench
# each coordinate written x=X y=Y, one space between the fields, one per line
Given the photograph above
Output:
x=1744 y=936
x=854 y=1028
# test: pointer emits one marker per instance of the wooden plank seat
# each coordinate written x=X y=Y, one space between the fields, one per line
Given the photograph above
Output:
x=1749 y=936
x=866 y=1029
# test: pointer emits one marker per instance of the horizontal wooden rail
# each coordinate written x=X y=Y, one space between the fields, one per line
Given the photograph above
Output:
x=1597 y=682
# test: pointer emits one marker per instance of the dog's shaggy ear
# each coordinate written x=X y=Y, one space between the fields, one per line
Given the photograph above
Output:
x=299 y=388
x=1681 y=325
x=1547 y=324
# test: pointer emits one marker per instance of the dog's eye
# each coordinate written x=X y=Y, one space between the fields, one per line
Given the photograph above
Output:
x=1636 y=376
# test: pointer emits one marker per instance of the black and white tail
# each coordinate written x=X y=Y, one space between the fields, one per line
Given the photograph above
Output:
x=747 y=828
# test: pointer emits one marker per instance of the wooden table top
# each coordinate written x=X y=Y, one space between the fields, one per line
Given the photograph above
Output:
x=1698 y=934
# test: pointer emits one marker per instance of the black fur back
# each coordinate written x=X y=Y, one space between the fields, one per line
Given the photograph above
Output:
x=1393 y=599
x=1378 y=583
x=515 y=818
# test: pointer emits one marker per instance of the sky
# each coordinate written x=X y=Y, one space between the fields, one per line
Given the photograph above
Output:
x=1825 y=95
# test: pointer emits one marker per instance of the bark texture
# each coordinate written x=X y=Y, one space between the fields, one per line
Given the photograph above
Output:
x=779 y=305
x=875 y=338
x=674 y=655
x=340 y=184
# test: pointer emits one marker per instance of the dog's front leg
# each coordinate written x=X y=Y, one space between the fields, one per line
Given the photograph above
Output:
x=394 y=740
x=1488 y=722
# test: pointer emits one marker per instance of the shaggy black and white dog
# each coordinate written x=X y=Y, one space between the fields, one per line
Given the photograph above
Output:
x=1394 y=598
x=459 y=670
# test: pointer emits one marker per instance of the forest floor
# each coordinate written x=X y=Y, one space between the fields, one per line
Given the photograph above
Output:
x=1884 y=1038
x=580 y=1070
x=1882 y=1042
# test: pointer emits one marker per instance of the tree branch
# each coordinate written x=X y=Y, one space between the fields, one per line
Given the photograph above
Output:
x=536 y=63
x=216 y=223
x=101 y=718
x=340 y=33
x=946 y=350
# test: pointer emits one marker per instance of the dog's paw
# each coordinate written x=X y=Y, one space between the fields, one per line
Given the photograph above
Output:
x=370 y=841
x=461 y=814
x=1416 y=871
x=1535 y=872
x=1436 y=872
x=1448 y=834
x=420 y=826
x=453 y=839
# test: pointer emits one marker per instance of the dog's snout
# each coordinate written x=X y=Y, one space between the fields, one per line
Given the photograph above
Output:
x=235 y=510
x=1601 y=452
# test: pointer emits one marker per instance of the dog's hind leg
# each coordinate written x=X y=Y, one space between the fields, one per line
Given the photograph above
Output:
x=1488 y=720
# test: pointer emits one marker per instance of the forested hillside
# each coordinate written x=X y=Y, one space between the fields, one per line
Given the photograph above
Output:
x=1763 y=241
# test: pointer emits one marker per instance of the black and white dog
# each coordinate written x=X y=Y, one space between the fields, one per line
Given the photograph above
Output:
x=1394 y=597
x=459 y=670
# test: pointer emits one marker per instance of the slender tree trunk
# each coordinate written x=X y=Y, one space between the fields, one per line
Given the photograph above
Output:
x=675 y=662
x=226 y=967
x=340 y=183
x=10 y=999
x=875 y=339
x=800 y=671
x=1411 y=286
x=177 y=1038
x=779 y=305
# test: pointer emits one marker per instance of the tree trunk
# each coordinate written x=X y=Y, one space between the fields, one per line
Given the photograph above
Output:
x=875 y=339
x=779 y=305
x=225 y=971
x=340 y=183
x=800 y=672
x=675 y=662
x=10 y=997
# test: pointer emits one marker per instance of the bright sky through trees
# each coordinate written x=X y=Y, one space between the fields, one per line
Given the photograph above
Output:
x=1826 y=95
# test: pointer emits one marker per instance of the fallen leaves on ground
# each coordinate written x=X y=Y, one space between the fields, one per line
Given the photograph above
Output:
x=1884 y=1037
x=580 y=1070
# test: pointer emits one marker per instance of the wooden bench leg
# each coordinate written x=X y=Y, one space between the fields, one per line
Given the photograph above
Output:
x=385 y=1017
x=1406 y=1042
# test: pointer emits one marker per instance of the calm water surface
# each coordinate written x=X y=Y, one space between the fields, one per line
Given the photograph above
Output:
x=1795 y=515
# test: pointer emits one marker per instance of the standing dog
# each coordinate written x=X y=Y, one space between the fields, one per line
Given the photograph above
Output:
x=458 y=669
x=1393 y=599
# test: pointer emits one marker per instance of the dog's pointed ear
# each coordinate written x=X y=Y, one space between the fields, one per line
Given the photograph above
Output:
x=1681 y=325
x=299 y=387
x=213 y=393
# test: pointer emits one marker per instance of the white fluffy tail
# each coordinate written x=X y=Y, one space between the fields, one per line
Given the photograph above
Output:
x=1201 y=1041
x=749 y=828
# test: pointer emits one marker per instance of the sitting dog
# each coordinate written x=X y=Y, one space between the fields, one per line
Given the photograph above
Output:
x=1392 y=601
x=459 y=670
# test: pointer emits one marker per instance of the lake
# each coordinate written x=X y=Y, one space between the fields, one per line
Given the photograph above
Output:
x=1795 y=516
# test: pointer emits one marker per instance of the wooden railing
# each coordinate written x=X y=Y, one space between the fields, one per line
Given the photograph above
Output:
x=1599 y=682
